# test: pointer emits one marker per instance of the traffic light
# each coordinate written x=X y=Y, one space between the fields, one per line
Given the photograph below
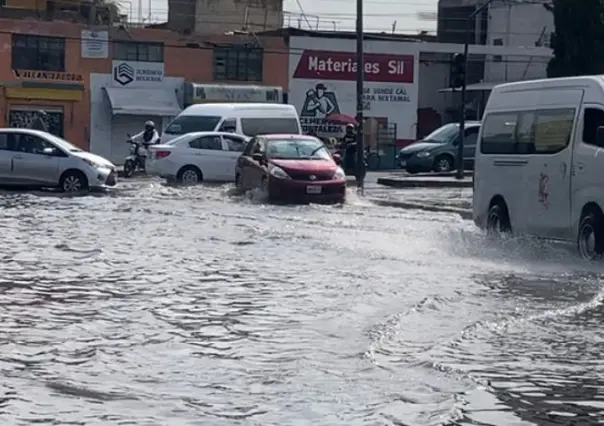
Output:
x=457 y=71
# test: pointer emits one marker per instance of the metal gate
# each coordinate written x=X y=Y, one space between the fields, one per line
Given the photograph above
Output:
x=383 y=154
x=23 y=117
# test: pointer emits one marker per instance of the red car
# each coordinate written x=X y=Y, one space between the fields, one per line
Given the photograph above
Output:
x=291 y=168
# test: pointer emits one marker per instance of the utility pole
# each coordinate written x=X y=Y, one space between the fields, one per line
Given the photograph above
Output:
x=360 y=169
x=462 y=119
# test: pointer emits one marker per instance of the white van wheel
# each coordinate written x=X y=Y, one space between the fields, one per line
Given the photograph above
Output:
x=498 y=221
x=590 y=238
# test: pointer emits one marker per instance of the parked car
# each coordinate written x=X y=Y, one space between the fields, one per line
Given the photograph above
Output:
x=294 y=168
x=196 y=157
x=36 y=159
x=437 y=152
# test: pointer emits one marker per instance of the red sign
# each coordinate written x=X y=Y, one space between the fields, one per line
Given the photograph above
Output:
x=331 y=65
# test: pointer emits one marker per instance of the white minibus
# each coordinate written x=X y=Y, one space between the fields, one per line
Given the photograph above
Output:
x=539 y=166
x=245 y=119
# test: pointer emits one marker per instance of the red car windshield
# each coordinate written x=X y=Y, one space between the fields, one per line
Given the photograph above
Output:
x=297 y=149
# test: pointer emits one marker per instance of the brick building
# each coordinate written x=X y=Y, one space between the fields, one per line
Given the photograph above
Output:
x=80 y=74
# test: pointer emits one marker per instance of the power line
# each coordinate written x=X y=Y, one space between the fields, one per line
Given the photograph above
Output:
x=299 y=51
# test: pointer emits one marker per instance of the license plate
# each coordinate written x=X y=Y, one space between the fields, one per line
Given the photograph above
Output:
x=313 y=189
x=403 y=163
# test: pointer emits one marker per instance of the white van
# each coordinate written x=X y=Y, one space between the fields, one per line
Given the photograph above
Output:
x=244 y=119
x=539 y=166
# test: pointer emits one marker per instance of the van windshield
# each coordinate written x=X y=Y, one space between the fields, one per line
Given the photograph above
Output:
x=444 y=134
x=270 y=125
x=192 y=123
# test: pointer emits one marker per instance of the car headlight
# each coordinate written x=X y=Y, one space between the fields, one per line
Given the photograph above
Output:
x=424 y=154
x=278 y=173
x=91 y=163
x=339 y=174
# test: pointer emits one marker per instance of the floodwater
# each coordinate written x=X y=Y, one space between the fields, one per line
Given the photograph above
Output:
x=190 y=306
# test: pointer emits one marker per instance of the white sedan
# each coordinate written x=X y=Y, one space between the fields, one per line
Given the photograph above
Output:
x=196 y=157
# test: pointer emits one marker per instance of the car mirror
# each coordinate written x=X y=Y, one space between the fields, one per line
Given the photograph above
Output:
x=49 y=151
x=600 y=136
x=229 y=129
x=337 y=158
x=258 y=157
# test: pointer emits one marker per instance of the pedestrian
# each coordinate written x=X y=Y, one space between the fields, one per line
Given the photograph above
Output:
x=39 y=121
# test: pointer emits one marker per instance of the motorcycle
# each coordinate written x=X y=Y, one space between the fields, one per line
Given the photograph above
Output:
x=136 y=160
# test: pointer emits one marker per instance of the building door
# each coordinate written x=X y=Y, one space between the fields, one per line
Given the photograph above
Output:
x=23 y=117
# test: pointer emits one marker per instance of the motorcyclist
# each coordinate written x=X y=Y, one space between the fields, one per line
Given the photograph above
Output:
x=147 y=137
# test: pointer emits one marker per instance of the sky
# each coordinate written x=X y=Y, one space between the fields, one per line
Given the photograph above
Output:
x=405 y=16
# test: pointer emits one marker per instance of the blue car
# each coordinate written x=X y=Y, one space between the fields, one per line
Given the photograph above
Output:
x=437 y=152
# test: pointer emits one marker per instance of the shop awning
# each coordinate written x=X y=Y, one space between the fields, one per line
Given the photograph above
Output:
x=157 y=102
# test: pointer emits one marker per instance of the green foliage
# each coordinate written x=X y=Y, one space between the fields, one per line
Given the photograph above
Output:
x=578 y=40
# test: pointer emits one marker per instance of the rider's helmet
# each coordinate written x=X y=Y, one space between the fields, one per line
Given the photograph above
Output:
x=350 y=128
x=149 y=126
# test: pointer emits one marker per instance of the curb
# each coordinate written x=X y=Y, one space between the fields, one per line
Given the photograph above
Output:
x=465 y=214
x=425 y=183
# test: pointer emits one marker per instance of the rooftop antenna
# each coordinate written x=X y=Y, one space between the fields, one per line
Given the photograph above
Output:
x=304 y=15
x=393 y=27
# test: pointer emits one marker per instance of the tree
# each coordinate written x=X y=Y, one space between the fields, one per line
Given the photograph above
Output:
x=578 y=39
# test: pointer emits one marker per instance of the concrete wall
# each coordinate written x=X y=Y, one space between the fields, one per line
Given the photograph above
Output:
x=514 y=24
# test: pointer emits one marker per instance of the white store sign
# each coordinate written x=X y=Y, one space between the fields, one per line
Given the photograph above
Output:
x=95 y=44
x=137 y=74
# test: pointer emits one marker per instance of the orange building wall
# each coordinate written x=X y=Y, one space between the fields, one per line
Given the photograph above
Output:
x=194 y=64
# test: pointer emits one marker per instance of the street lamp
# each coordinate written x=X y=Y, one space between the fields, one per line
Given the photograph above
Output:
x=360 y=163
x=462 y=120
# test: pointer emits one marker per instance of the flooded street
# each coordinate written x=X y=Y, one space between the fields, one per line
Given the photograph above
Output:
x=190 y=306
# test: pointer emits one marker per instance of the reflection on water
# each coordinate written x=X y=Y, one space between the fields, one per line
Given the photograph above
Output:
x=166 y=305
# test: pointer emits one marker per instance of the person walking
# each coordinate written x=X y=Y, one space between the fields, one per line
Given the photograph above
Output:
x=39 y=121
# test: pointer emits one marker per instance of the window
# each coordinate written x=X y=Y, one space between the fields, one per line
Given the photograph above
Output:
x=471 y=136
x=498 y=42
x=249 y=148
x=30 y=52
x=228 y=125
x=592 y=119
x=207 y=142
x=192 y=123
x=137 y=51
x=552 y=130
x=234 y=143
x=544 y=131
x=498 y=134
x=7 y=142
x=31 y=144
x=266 y=126
x=237 y=63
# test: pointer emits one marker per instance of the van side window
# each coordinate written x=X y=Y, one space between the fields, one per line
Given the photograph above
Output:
x=266 y=126
x=552 y=130
x=228 y=125
x=498 y=134
x=592 y=119
x=525 y=133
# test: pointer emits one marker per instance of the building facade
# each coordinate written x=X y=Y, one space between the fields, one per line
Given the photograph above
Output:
x=98 y=84
x=211 y=16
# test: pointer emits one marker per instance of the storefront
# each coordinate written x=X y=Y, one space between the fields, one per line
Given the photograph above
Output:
x=196 y=93
x=323 y=84
x=122 y=101
x=58 y=94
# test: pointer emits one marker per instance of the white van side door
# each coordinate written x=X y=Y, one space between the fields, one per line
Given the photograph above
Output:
x=548 y=176
x=587 y=169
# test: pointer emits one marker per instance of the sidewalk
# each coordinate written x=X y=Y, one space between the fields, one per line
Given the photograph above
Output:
x=432 y=180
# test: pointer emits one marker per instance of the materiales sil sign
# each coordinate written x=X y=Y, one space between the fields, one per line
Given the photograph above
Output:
x=323 y=82
x=132 y=74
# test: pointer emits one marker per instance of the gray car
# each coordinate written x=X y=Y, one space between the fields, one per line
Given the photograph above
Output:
x=438 y=151
x=33 y=158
